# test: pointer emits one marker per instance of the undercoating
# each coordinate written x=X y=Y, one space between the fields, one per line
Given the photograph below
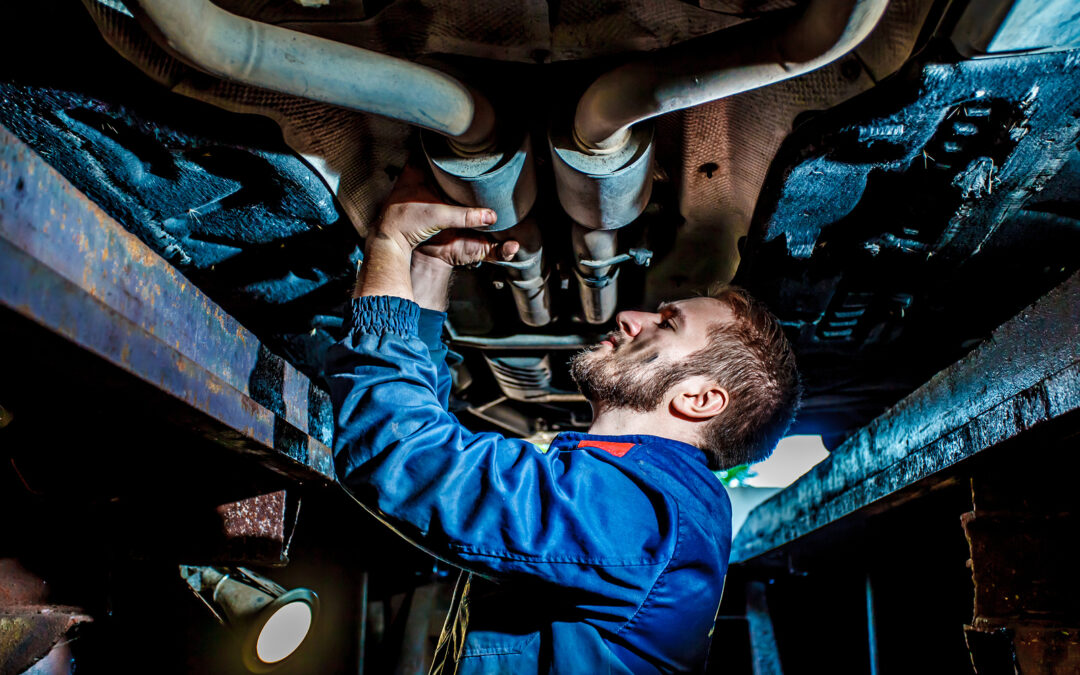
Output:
x=890 y=233
x=997 y=392
x=897 y=231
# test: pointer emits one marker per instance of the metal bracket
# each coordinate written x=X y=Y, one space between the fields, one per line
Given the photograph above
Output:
x=640 y=256
x=515 y=264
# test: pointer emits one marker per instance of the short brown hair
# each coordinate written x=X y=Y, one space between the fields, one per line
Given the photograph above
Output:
x=751 y=358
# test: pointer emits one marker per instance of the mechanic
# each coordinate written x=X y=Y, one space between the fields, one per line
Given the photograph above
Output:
x=605 y=554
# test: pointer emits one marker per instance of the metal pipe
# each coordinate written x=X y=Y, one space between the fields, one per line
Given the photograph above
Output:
x=520 y=342
x=746 y=57
x=501 y=178
x=362 y=611
x=262 y=55
x=526 y=274
x=596 y=285
x=603 y=191
x=528 y=378
x=871 y=628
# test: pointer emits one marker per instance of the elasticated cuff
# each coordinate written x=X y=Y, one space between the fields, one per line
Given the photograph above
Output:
x=379 y=314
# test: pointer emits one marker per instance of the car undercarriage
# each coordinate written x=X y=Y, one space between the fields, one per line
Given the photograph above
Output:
x=891 y=207
x=894 y=179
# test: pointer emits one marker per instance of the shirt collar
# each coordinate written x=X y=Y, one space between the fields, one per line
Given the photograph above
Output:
x=571 y=439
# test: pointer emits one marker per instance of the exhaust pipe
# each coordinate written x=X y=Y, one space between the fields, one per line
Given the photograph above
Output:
x=465 y=155
x=262 y=55
x=501 y=177
x=601 y=192
x=527 y=275
x=596 y=285
x=603 y=159
x=743 y=58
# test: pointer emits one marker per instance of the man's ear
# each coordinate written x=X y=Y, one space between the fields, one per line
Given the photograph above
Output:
x=699 y=399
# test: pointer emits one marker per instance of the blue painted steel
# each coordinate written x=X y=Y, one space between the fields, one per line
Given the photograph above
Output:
x=69 y=267
x=1026 y=374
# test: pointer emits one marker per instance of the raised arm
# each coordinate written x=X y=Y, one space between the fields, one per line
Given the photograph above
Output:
x=494 y=505
x=431 y=285
x=431 y=260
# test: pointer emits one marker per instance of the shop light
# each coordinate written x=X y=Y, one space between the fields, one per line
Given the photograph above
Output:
x=270 y=622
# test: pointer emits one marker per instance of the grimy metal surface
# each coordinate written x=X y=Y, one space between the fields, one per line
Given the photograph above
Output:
x=253 y=530
x=67 y=266
x=29 y=626
x=1026 y=373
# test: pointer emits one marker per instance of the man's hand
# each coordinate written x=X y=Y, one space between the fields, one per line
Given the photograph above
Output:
x=414 y=213
x=454 y=248
x=417 y=231
x=434 y=261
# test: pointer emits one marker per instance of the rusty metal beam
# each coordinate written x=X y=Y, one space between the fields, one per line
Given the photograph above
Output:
x=70 y=268
x=253 y=529
x=30 y=627
x=1025 y=375
x=28 y=634
x=1026 y=615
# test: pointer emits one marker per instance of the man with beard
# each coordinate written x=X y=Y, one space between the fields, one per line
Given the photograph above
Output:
x=605 y=554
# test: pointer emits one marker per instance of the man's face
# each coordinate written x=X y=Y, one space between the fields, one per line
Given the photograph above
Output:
x=633 y=366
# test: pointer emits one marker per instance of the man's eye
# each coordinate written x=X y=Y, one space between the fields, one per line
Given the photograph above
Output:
x=666 y=323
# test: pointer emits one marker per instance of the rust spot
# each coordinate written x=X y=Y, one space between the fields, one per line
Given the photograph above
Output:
x=261 y=517
x=139 y=251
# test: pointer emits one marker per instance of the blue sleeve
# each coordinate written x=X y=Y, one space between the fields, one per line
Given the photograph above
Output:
x=490 y=504
x=430 y=327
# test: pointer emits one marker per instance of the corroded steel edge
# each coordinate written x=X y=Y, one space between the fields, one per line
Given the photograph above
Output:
x=1026 y=374
x=68 y=266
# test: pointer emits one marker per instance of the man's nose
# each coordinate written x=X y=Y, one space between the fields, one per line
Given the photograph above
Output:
x=631 y=323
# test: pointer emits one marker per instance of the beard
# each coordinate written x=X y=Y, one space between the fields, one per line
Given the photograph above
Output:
x=614 y=380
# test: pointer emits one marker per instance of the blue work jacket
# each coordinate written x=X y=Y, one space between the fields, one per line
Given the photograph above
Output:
x=604 y=554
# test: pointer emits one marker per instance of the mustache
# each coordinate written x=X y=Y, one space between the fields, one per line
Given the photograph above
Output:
x=616 y=338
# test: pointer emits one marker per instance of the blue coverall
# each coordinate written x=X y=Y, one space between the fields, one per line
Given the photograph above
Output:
x=605 y=554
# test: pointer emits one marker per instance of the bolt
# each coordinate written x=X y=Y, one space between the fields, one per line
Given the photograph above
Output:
x=964 y=129
x=851 y=69
x=876 y=132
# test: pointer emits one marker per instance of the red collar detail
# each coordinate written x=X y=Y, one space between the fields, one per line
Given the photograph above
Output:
x=617 y=449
